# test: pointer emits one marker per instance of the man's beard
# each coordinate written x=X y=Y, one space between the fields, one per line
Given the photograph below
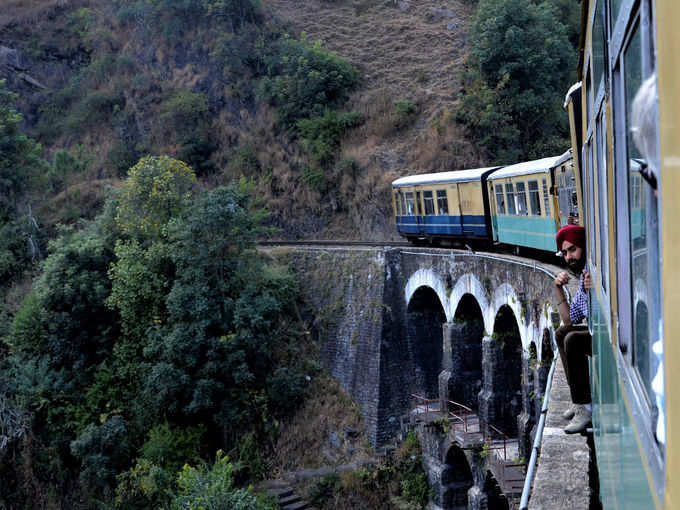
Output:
x=577 y=266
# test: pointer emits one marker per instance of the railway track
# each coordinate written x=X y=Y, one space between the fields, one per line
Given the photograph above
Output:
x=338 y=243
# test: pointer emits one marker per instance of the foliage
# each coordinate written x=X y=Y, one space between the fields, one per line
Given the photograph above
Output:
x=157 y=189
x=65 y=164
x=72 y=292
x=213 y=489
x=404 y=111
x=303 y=80
x=19 y=155
x=519 y=57
x=321 y=135
x=174 y=18
x=102 y=450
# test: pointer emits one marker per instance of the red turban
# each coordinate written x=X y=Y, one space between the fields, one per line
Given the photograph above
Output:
x=575 y=234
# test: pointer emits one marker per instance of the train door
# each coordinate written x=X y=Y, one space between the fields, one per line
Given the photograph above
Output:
x=454 y=210
x=420 y=215
x=493 y=212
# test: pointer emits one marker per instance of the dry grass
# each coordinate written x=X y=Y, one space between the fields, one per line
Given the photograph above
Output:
x=411 y=54
x=31 y=11
x=304 y=439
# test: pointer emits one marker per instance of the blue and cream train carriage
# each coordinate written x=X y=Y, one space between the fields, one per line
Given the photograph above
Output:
x=519 y=205
x=442 y=205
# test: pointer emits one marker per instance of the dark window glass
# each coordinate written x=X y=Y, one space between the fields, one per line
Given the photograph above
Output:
x=419 y=205
x=521 y=200
x=410 y=203
x=428 y=202
x=534 y=198
x=442 y=202
x=602 y=201
x=397 y=204
x=509 y=191
x=546 y=197
x=598 y=44
x=500 y=199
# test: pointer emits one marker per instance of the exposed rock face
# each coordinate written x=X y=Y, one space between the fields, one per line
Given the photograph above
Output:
x=11 y=58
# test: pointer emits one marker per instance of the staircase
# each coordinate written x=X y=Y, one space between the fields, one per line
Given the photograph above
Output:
x=283 y=494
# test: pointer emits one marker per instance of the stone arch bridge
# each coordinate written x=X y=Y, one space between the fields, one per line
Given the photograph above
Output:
x=474 y=328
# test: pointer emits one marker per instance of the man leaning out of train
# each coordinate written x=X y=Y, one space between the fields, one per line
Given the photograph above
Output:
x=573 y=339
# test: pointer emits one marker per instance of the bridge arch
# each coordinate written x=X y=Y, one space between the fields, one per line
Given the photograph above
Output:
x=425 y=316
x=456 y=479
x=426 y=277
x=507 y=379
x=469 y=284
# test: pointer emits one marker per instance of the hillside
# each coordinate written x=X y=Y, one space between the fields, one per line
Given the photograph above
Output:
x=102 y=76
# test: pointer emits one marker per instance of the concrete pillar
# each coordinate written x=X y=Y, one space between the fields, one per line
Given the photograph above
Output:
x=527 y=418
x=488 y=401
x=444 y=390
x=477 y=499
x=462 y=360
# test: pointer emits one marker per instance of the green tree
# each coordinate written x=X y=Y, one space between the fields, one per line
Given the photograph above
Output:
x=217 y=349
x=213 y=489
x=157 y=189
x=19 y=155
x=518 y=70
x=303 y=80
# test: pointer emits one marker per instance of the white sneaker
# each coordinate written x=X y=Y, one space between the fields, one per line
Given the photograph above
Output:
x=580 y=422
x=571 y=411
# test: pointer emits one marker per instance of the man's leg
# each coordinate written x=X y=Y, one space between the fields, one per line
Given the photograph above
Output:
x=577 y=348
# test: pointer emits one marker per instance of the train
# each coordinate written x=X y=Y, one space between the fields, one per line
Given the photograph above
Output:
x=521 y=205
x=623 y=115
x=621 y=180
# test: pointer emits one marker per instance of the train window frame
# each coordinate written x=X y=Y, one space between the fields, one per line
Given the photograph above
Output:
x=510 y=199
x=442 y=198
x=534 y=198
x=600 y=153
x=428 y=203
x=419 y=203
x=521 y=197
x=409 y=202
x=546 y=196
x=632 y=19
x=500 y=199
x=397 y=204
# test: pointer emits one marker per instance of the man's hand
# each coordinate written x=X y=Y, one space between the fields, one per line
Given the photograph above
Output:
x=562 y=278
x=587 y=284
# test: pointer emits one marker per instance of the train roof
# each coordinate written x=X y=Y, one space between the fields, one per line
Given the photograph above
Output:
x=531 y=167
x=474 y=174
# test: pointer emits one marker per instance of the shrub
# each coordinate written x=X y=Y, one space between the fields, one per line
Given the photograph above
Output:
x=102 y=450
x=321 y=135
x=303 y=80
x=213 y=488
x=519 y=56
x=404 y=111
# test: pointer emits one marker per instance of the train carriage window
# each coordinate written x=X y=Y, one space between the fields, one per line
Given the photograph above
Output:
x=602 y=200
x=642 y=206
x=419 y=204
x=410 y=203
x=500 y=199
x=397 y=204
x=428 y=201
x=534 y=198
x=442 y=202
x=522 y=209
x=546 y=197
x=510 y=193
x=598 y=45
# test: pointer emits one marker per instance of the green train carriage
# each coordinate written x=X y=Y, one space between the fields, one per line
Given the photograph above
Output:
x=627 y=159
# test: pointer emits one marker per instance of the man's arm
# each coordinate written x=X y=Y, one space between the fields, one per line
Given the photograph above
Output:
x=562 y=305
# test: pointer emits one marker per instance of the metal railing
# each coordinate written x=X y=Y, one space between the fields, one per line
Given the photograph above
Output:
x=464 y=421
